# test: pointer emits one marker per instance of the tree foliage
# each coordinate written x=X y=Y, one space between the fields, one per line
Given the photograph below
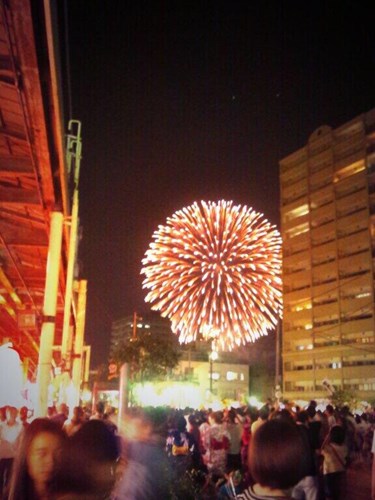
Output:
x=343 y=397
x=149 y=356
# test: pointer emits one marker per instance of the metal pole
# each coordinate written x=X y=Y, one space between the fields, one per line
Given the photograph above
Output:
x=278 y=375
x=78 y=343
x=211 y=365
x=134 y=326
x=123 y=393
x=49 y=312
x=73 y=160
x=87 y=349
x=69 y=281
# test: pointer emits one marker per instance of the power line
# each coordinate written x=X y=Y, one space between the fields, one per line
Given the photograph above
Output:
x=67 y=61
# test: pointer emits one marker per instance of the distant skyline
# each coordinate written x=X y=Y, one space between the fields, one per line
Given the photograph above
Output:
x=187 y=102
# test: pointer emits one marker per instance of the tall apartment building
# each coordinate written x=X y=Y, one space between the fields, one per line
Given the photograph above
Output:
x=328 y=229
x=137 y=325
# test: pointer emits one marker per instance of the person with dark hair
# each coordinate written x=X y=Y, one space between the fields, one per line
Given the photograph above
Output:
x=234 y=429
x=72 y=425
x=24 y=416
x=278 y=459
x=315 y=427
x=216 y=443
x=263 y=415
x=89 y=462
x=335 y=452
x=99 y=411
x=62 y=414
x=180 y=446
x=330 y=412
x=308 y=487
x=36 y=461
x=282 y=414
x=193 y=428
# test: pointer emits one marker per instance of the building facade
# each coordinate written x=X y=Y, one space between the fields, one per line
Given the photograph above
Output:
x=225 y=376
x=328 y=229
x=136 y=325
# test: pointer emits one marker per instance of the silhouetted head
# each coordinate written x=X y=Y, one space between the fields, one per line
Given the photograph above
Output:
x=278 y=455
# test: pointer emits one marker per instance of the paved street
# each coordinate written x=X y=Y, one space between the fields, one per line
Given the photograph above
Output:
x=359 y=482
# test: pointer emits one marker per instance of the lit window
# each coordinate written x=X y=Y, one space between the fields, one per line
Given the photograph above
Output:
x=232 y=376
x=295 y=231
x=302 y=307
x=215 y=375
x=349 y=170
x=297 y=212
x=362 y=295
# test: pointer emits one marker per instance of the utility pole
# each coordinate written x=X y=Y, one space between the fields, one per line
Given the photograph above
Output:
x=73 y=158
x=47 y=335
x=278 y=392
x=134 y=325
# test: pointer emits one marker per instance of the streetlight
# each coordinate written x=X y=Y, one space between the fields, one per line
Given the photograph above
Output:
x=212 y=357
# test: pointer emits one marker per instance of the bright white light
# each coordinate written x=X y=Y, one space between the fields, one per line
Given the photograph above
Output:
x=176 y=395
x=253 y=401
x=11 y=377
x=232 y=376
x=214 y=355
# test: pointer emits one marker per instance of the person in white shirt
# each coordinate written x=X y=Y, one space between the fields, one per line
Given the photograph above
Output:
x=10 y=436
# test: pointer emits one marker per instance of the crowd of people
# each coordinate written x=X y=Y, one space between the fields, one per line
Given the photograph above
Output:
x=163 y=453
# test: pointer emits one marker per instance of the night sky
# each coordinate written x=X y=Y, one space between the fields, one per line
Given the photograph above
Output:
x=188 y=101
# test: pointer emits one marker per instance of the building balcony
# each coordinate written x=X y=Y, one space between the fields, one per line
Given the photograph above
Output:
x=321 y=161
x=295 y=375
x=352 y=184
x=354 y=243
x=324 y=273
x=321 y=197
x=352 y=203
x=352 y=223
x=323 y=215
x=320 y=179
x=296 y=262
x=294 y=191
x=362 y=372
x=294 y=245
x=323 y=234
x=295 y=173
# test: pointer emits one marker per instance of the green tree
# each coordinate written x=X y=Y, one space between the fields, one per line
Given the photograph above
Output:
x=343 y=397
x=149 y=356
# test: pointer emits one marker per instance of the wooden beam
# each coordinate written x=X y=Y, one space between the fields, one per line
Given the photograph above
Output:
x=14 y=234
x=15 y=165
x=18 y=196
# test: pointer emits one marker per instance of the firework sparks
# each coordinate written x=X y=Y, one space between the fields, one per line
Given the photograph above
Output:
x=215 y=269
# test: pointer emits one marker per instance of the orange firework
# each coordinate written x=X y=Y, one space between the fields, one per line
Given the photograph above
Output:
x=215 y=269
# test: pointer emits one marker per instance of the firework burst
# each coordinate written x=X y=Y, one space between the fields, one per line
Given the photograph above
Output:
x=215 y=269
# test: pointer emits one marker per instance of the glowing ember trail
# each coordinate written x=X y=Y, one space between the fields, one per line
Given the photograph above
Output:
x=215 y=269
